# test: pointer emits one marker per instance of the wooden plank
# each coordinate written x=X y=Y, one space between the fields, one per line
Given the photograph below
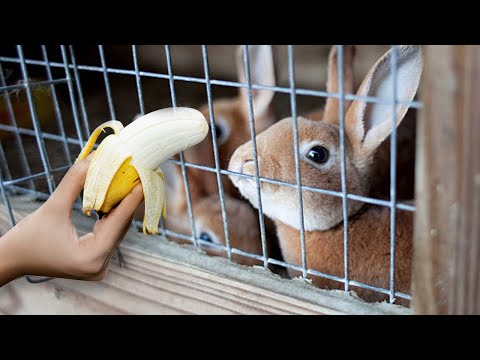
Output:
x=163 y=277
x=20 y=297
x=447 y=230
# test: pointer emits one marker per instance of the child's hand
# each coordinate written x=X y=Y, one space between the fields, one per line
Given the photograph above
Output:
x=46 y=243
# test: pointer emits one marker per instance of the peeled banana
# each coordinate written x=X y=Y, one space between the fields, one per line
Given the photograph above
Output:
x=133 y=154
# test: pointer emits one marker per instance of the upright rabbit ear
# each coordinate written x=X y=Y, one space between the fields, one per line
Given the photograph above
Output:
x=369 y=124
x=262 y=72
x=331 y=114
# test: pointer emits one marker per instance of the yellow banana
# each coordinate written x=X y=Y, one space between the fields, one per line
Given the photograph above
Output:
x=133 y=154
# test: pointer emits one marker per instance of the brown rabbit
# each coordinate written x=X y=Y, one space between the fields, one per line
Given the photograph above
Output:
x=367 y=126
x=244 y=231
x=406 y=131
x=232 y=127
x=231 y=116
x=232 y=130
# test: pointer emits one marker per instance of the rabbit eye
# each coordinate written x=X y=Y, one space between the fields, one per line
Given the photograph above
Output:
x=205 y=237
x=222 y=130
x=318 y=154
x=218 y=131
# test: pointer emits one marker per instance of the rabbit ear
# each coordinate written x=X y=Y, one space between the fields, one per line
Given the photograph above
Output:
x=331 y=114
x=262 y=72
x=369 y=124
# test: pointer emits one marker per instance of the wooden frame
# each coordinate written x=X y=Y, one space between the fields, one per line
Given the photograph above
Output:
x=447 y=234
x=163 y=277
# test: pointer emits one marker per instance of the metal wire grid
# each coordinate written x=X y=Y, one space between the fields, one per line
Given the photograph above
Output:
x=12 y=186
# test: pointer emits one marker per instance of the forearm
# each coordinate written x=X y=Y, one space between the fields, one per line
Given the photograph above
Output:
x=10 y=267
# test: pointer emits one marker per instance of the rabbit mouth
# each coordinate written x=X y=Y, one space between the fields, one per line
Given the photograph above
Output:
x=248 y=167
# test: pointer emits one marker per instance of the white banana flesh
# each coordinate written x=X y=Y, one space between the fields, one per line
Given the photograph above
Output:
x=134 y=154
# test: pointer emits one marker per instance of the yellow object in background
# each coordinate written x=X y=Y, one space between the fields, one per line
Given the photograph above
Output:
x=42 y=98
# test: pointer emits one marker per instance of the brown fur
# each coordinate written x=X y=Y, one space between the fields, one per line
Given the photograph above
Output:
x=365 y=132
x=229 y=114
x=233 y=114
x=406 y=132
x=208 y=217
x=368 y=250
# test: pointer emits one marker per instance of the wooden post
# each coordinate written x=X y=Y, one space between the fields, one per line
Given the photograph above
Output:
x=447 y=230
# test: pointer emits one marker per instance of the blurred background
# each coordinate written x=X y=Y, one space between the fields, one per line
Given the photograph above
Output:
x=187 y=60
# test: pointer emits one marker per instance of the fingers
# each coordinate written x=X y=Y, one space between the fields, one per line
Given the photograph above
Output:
x=71 y=184
x=116 y=223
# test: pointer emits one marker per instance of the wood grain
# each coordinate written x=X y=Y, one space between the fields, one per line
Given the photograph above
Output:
x=163 y=277
x=447 y=230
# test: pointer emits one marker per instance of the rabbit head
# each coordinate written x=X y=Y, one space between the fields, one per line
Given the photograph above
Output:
x=367 y=125
x=232 y=122
x=242 y=222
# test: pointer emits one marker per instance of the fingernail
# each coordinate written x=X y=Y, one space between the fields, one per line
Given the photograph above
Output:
x=137 y=189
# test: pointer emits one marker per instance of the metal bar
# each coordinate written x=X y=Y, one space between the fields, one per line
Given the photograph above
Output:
x=72 y=96
x=36 y=176
x=286 y=90
x=368 y=200
x=142 y=107
x=30 y=132
x=213 y=130
x=58 y=114
x=73 y=103
x=240 y=252
x=138 y=79
x=341 y=108
x=36 y=124
x=393 y=171
x=6 y=201
x=182 y=158
x=246 y=61
x=18 y=139
x=40 y=143
x=41 y=196
x=292 y=90
x=4 y=163
x=107 y=83
x=33 y=84
x=298 y=177
x=81 y=98
x=113 y=117
x=284 y=264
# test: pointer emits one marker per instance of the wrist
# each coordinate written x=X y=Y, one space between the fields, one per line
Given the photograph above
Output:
x=10 y=257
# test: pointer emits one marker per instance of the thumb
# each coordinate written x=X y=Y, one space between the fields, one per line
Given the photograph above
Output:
x=72 y=183
x=117 y=222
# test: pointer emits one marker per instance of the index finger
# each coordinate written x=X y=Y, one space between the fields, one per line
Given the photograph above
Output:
x=72 y=183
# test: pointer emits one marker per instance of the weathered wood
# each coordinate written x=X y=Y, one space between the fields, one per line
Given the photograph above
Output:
x=163 y=277
x=447 y=230
x=20 y=297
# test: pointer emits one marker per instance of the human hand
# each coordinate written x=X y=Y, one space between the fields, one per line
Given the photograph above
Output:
x=46 y=243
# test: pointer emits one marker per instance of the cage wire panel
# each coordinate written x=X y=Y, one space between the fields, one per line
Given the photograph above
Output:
x=24 y=184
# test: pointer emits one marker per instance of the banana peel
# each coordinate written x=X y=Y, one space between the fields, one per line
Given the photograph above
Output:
x=133 y=155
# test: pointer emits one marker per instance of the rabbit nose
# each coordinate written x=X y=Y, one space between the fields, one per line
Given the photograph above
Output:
x=248 y=167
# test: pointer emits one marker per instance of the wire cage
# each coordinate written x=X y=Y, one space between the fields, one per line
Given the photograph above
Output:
x=40 y=141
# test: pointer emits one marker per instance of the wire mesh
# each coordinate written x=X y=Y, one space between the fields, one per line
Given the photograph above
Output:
x=24 y=184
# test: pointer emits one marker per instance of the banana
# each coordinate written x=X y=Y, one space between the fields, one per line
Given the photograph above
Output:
x=133 y=154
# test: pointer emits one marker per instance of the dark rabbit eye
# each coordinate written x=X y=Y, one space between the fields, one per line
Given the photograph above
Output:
x=205 y=237
x=318 y=154
x=218 y=131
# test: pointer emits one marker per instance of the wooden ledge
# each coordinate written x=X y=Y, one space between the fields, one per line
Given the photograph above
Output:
x=163 y=277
